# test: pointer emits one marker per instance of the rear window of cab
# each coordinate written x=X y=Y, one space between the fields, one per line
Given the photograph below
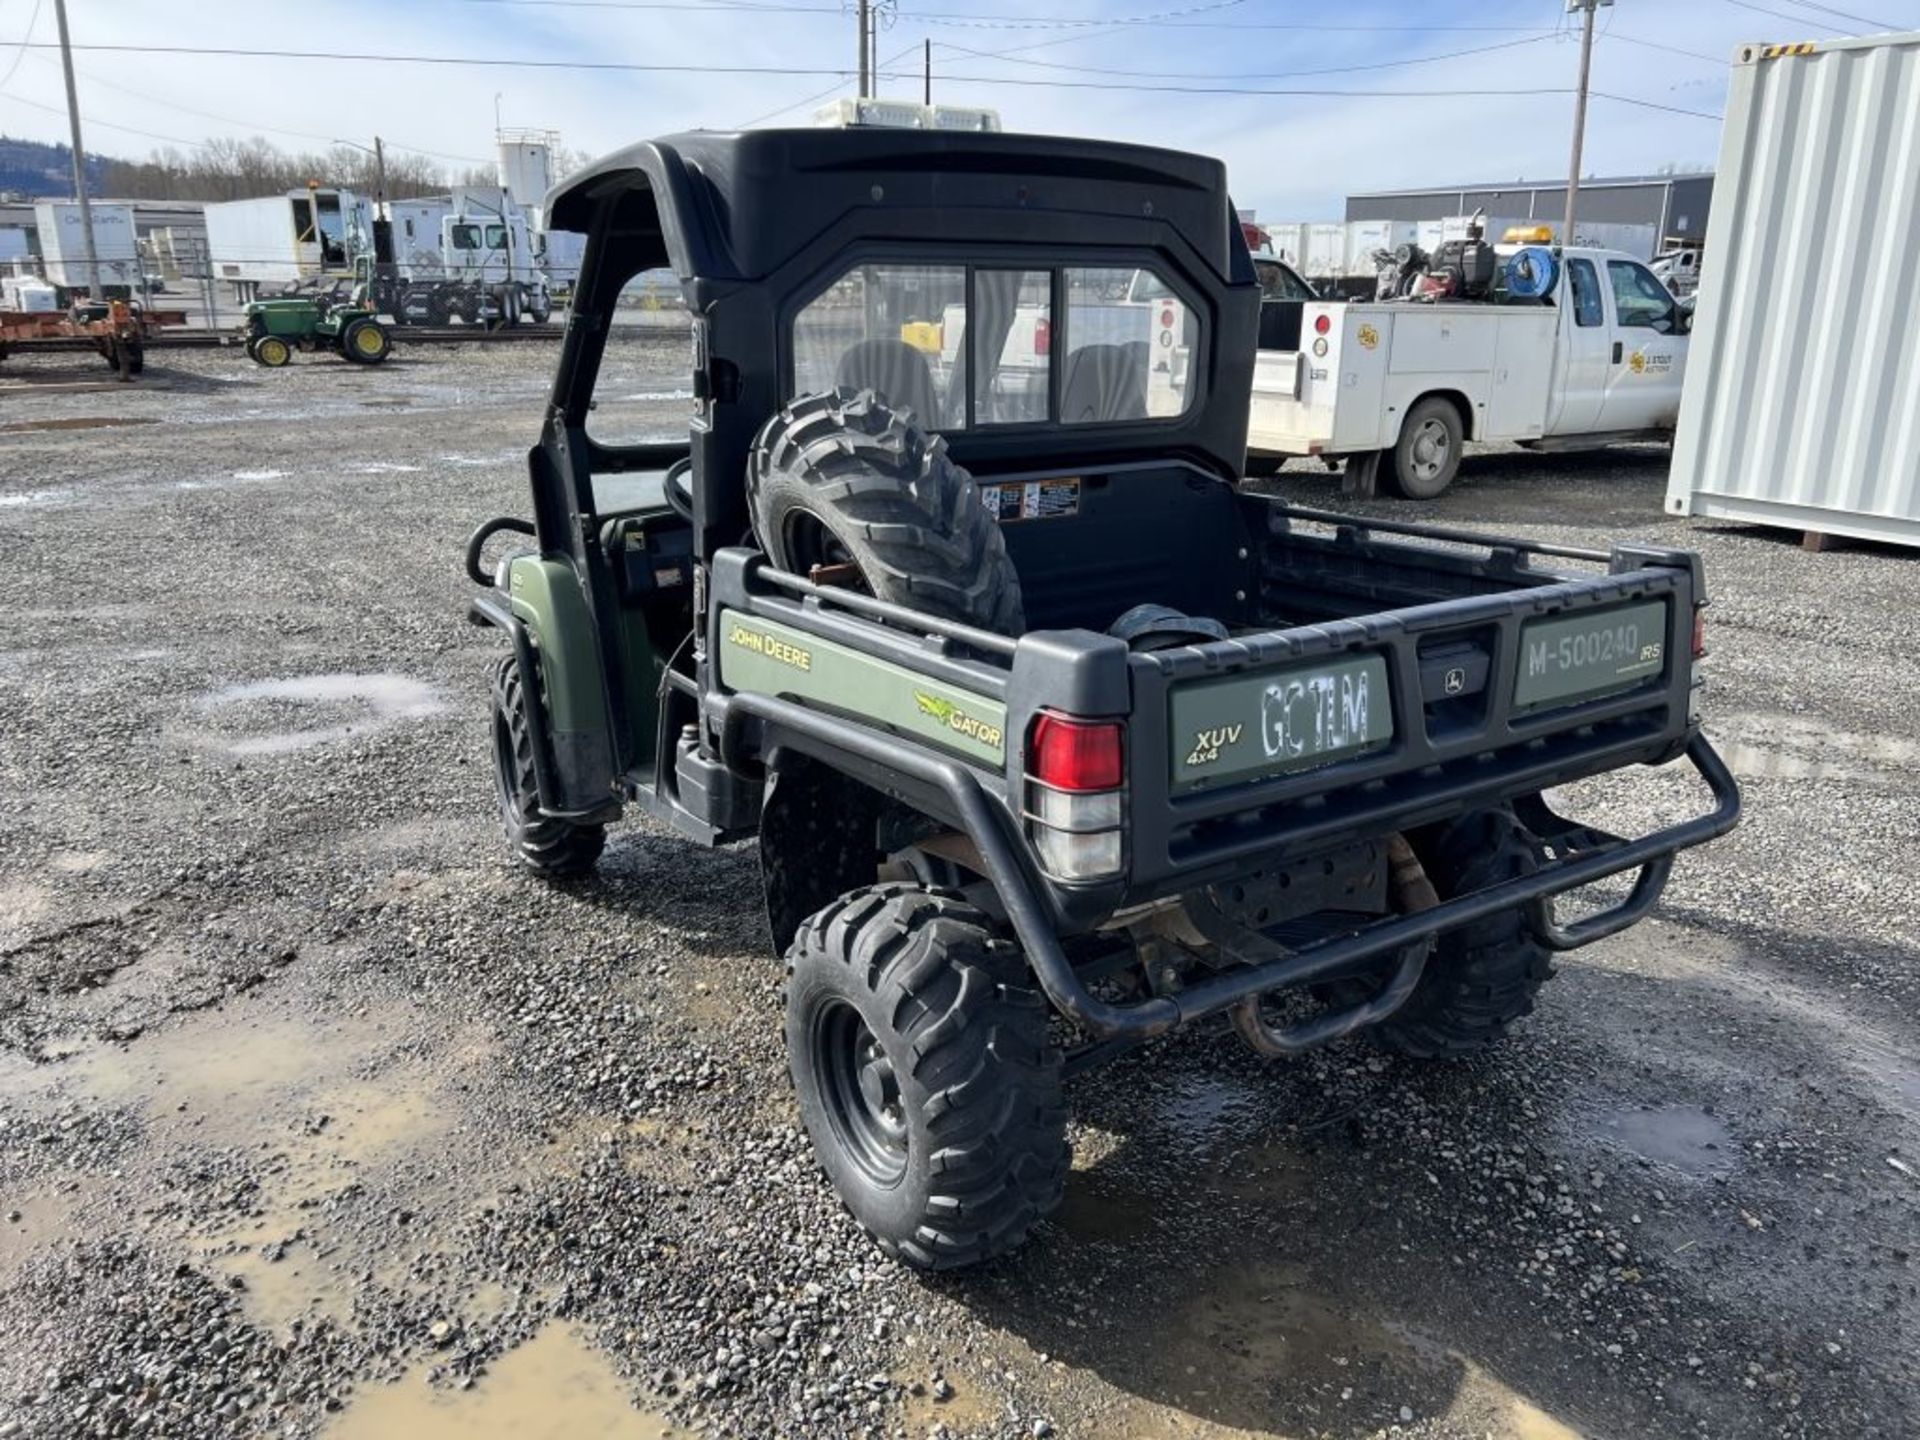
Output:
x=976 y=347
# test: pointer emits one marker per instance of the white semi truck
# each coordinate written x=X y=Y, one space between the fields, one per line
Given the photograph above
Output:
x=1396 y=387
x=468 y=256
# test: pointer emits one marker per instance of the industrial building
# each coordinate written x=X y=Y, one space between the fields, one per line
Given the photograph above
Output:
x=1673 y=207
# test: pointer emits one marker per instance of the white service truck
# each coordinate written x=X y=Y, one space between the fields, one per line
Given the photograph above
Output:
x=1396 y=387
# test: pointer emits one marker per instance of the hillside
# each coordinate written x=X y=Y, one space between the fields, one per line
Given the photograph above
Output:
x=34 y=169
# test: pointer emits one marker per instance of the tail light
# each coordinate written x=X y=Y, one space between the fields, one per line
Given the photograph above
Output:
x=1322 y=323
x=1699 y=632
x=1043 y=336
x=1076 y=789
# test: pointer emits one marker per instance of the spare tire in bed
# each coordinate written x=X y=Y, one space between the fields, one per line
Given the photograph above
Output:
x=847 y=490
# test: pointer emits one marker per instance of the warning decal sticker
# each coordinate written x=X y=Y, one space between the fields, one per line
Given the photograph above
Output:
x=1032 y=499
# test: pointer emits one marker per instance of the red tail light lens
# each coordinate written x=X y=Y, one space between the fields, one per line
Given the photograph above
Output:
x=1322 y=323
x=1043 y=336
x=1699 y=634
x=1077 y=755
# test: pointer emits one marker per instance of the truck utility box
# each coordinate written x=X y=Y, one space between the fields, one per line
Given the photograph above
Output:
x=1802 y=408
x=1381 y=358
x=1398 y=386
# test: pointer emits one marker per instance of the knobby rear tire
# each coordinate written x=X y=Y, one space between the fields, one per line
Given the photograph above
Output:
x=983 y=1154
x=1484 y=976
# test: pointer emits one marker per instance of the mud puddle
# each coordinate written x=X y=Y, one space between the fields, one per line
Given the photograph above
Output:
x=554 y=1387
x=76 y=422
x=1792 y=747
x=1679 y=1137
x=375 y=702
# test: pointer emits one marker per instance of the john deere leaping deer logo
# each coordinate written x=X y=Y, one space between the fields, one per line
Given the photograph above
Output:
x=944 y=712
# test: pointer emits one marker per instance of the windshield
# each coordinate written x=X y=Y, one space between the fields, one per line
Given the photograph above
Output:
x=1279 y=282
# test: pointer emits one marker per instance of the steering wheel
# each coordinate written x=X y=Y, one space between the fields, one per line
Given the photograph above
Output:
x=679 y=498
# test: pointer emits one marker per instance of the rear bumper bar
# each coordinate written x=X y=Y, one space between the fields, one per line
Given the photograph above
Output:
x=986 y=824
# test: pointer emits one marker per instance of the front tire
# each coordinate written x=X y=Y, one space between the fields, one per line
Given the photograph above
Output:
x=271 y=351
x=843 y=480
x=1422 y=465
x=1484 y=976
x=924 y=1074
x=552 y=848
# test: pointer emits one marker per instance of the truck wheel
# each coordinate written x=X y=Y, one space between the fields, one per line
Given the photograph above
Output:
x=1481 y=977
x=554 y=849
x=366 y=342
x=1428 y=454
x=843 y=480
x=271 y=351
x=924 y=1074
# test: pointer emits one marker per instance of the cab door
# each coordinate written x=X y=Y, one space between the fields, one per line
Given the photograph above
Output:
x=1649 y=351
x=1586 y=336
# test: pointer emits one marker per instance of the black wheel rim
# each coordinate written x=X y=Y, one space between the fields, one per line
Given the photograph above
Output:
x=860 y=1092
x=811 y=546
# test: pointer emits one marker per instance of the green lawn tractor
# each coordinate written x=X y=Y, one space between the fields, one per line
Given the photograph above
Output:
x=276 y=328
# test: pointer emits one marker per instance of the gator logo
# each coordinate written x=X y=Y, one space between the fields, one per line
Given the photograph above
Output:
x=1367 y=336
x=944 y=712
x=1637 y=362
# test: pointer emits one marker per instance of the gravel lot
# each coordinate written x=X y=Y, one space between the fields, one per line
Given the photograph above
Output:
x=317 y=1118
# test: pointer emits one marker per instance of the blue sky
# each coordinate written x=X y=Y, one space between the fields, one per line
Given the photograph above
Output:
x=1044 y=64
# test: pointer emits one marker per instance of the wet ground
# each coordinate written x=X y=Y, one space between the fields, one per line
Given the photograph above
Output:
x=317 y=1118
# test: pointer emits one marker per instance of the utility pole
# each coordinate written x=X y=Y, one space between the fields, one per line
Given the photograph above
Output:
x=926 y=70
x=1586 y=9
x=379 y=178
x=79 y=154
x=866 y=68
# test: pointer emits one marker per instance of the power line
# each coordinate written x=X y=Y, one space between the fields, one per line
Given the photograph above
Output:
x=21 y=53
x=1855 y=19
x=109 y=125
x=98 y=79
x=1719 y=60
x=484 y=61
x=830 y=90
x=1249 y=75
x=1788 y=16
x=843 y=75
x=1306 y=93
x=1172 y=19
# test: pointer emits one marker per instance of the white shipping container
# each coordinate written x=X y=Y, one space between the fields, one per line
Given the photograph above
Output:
x=1366 y=236
x=1289 y=241
x=1326 y=250
x=1802 y=400
x=63 y=243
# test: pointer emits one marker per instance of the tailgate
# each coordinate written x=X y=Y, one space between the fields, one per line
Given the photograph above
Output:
x=1289 y=739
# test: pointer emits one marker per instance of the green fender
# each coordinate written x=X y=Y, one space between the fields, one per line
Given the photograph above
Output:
x=545 y=596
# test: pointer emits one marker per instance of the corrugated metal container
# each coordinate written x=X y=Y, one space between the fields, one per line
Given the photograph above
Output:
x=1802 y=399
